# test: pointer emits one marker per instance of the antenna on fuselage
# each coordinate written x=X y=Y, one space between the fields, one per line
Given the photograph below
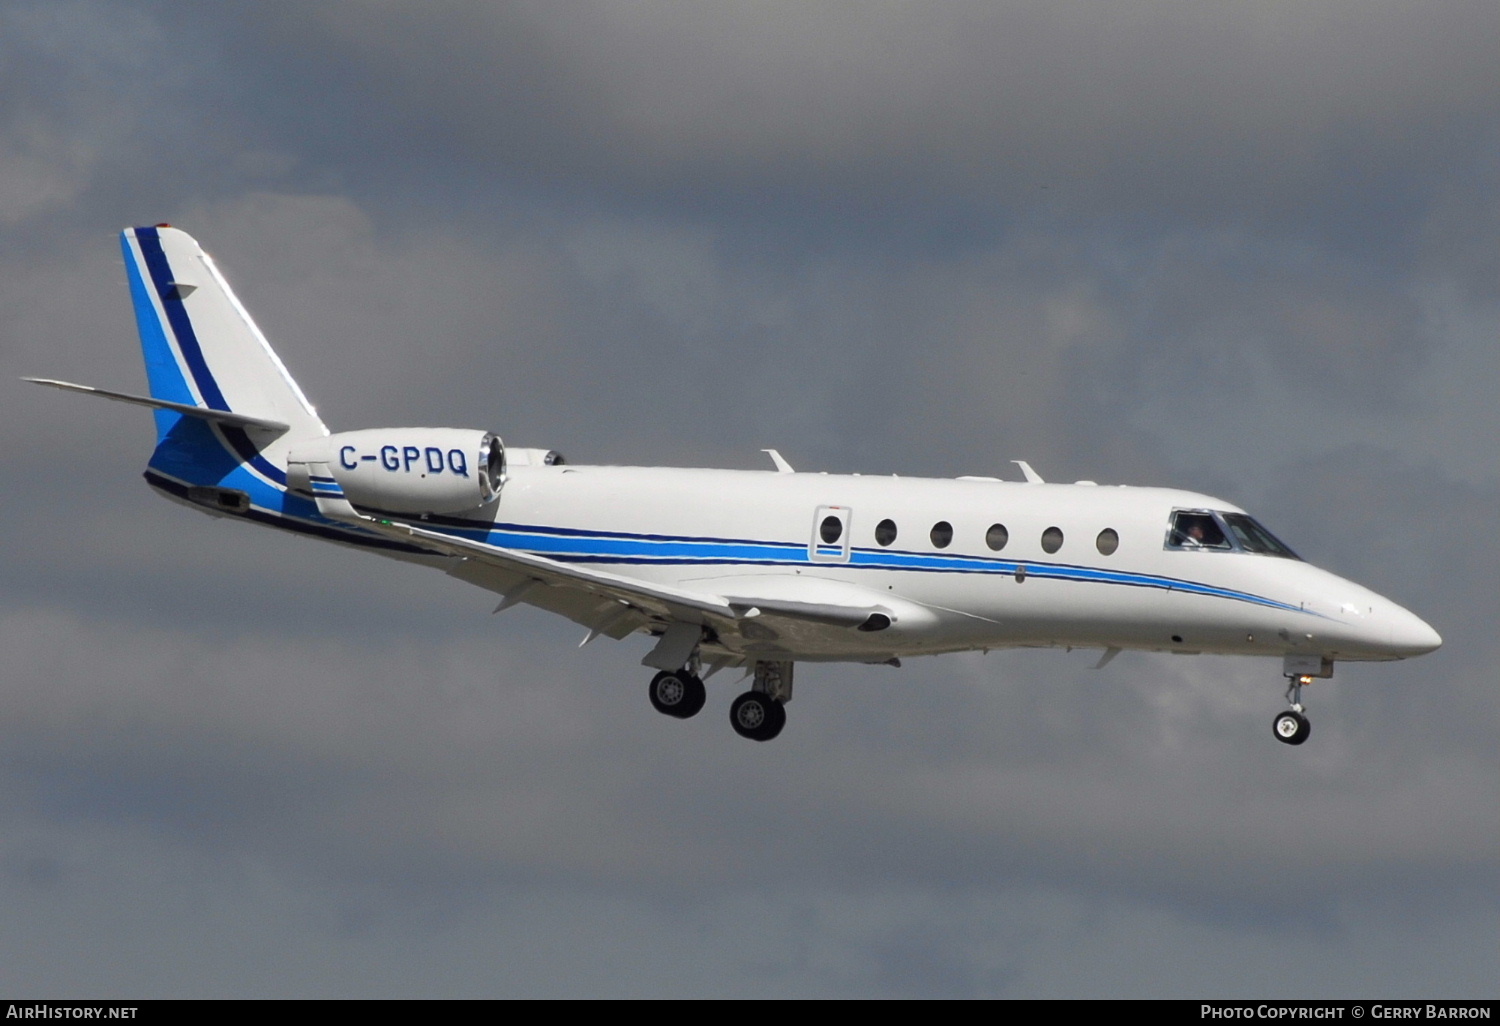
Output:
x=782 y=466
x=1032 y=477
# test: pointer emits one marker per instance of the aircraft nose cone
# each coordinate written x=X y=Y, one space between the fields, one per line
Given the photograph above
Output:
x=1410 y=635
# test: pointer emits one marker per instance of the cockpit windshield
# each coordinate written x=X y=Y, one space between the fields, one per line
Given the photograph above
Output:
x=1254 y=538
x=1202 y=530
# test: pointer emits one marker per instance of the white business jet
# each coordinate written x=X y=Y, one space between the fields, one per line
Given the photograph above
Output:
x=756 y=570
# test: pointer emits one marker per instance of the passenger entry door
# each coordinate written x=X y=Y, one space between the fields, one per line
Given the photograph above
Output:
x=830 y=535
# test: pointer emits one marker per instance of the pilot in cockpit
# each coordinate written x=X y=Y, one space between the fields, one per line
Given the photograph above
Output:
x=1196 y=531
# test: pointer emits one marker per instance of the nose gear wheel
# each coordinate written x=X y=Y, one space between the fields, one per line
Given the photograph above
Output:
x=1292 y=727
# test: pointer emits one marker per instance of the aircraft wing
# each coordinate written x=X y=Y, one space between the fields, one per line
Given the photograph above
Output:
x=616 y=605
x=530 y=570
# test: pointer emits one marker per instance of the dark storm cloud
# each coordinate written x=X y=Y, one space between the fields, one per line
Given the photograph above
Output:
x=1313 y=112
x=1241 y=248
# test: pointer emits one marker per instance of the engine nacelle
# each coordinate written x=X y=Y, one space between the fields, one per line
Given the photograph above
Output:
x=407 y=470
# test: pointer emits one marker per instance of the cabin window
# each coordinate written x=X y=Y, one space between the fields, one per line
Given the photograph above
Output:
x=1107 y=542
x=1052 y=539
x=885 y=532
x=1195 y=530
x=996 y=537
x=830 y=530
x=942 y=534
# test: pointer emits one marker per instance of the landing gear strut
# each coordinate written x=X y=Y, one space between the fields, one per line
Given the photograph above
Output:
x=1299 y=669
x=760 y=713
x=1291 y=727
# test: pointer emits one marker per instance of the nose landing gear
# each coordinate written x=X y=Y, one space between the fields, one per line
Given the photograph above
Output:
x=1291 y=727
x=1299 y=669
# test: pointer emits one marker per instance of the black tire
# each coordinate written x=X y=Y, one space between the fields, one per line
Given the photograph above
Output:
x=757 y=716
x=697 y=697
x=677 y=693
x=774 y=726
x=1291 y=727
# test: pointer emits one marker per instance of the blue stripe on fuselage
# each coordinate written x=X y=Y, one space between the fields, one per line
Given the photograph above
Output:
x=297 y=515
x=573 y=545
x=578 y=546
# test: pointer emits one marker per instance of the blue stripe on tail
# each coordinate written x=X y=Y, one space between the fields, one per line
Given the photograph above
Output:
x=165 y=373
x=182 y=325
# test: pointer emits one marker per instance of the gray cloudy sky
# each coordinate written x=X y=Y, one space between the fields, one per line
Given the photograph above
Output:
x=1250 y=248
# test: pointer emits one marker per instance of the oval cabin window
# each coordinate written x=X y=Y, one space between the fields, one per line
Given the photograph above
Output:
x=830 y=530
x=996 y=537
x=942 y=534
x=1052 y=539
x=885 y=532
x=1107 y=542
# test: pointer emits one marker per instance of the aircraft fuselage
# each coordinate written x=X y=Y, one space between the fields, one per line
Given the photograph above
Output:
x=757 y=532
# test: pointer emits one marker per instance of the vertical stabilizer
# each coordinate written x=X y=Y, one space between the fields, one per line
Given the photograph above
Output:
x=203 y=350
x=200 y=345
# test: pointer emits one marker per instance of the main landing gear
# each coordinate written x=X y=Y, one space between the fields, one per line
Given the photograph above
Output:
x=759 y=714
x=678 y=693
x=1291 y=727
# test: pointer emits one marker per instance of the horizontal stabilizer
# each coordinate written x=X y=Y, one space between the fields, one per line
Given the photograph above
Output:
x=202 y=412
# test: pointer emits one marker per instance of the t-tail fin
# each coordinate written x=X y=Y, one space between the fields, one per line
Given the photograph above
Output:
x=201 y=347
x=224 y=403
